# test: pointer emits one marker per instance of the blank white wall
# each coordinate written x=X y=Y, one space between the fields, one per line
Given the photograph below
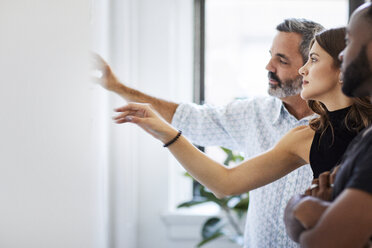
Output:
x=51 y=185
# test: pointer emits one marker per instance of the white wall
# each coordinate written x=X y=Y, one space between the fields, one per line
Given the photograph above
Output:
x=68 y=176
x=51 y=175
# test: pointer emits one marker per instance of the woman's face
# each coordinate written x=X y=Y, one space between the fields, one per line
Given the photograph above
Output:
x=320 y=76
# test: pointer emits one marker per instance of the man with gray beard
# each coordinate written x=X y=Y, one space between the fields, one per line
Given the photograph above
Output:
x=250 y=126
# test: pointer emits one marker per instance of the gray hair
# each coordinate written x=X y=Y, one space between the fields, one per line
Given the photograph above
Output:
x=306 y=28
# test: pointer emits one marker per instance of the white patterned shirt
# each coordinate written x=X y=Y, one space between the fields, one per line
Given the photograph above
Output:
x=251 y=126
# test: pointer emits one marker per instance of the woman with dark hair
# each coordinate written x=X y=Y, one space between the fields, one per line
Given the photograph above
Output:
x=335 y=129
x=345 y=219
x=322 y=143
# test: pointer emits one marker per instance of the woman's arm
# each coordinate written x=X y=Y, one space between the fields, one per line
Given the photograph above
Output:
x=248 y=175
x=291 y=152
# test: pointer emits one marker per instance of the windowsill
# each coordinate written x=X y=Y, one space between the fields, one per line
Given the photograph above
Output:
x=185 y=223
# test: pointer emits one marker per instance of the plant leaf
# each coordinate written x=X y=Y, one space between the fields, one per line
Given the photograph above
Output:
x=186 y=174
x=213 y=237
x=242 y=204
x=211 y=197
x=241 y=207
x=238 y=158
x=229 y=156
x=212 y=226
x=191 y=203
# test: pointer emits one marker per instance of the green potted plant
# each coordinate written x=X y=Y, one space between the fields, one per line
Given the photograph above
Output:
x=233 y=207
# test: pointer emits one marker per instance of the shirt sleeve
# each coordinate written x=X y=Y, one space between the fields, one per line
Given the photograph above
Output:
x=362 y=175
x=208 y=125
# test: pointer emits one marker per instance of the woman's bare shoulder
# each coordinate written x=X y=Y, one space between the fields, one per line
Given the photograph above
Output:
x=298 y=141
x=302 y=131
x=298 y=137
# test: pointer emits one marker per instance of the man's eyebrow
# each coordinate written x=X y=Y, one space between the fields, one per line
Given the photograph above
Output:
x=282 y=56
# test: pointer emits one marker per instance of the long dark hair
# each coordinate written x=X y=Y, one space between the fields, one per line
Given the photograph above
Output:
x=360 y=113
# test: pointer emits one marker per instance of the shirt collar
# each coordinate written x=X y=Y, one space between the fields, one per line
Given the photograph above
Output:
x=282 y=112
x=279 y=112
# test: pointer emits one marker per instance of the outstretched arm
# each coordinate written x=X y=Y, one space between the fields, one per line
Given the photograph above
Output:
x=110 y=82
x=222 y=180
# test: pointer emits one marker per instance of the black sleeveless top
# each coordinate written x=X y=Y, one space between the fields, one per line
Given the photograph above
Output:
x=326 y=151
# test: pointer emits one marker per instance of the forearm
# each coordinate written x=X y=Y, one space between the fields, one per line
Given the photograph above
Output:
x=347 y=222
x=223 y=181
x=208 y=172
x=165 y=108
x=302 y=213
x=309 y=211
x=293 y=227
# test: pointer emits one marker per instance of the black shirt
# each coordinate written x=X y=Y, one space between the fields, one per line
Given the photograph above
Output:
x=327 y=150
x=356 y=168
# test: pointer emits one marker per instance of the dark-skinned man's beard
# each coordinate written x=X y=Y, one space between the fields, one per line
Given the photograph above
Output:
x=357 y=76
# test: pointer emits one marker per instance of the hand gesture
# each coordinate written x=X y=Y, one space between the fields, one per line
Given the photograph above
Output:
x=322 y=187
x=148 y=119
x=107 y=78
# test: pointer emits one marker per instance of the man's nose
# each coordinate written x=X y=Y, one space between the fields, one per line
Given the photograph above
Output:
x=270 y=66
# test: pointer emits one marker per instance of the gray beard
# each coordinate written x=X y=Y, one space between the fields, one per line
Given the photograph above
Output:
x=290 y=87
